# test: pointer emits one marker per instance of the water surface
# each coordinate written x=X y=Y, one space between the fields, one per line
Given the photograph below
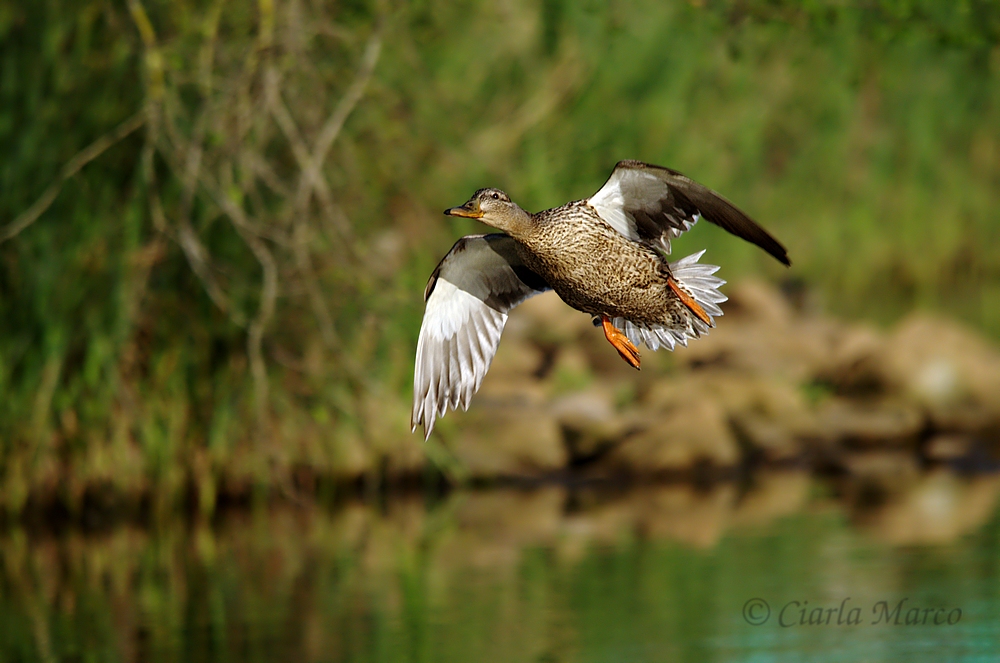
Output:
x=657 y=573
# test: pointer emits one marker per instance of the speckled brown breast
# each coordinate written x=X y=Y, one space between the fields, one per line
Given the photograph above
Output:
x=595 y=269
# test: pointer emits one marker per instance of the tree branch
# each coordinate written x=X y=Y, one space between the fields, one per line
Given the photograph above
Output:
x=268 y=293
x=72 y=167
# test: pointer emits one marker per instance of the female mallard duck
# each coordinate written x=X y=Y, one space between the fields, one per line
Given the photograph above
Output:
x=605 y=256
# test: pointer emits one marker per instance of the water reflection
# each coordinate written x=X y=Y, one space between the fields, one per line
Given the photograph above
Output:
x=653 y=573
x=933 y=508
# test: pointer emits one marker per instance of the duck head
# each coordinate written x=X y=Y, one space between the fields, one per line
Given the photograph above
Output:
x=494 y=208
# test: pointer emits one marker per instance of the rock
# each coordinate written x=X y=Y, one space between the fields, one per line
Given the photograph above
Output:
x=513 y=378
x=763 y=337
x=948 y=446
x=772 y=438
x=517 y=358
x=891 y=470
x=848 y=368
x=584 y=409
x=756 y=302
x=868 y=424
x=604 y=360
x=694 y=430
x=508 y=390
x=589 y=422
x=964 y=417
x=946 y=368
x=547 y=320
x=769 y=414
x=502 y=440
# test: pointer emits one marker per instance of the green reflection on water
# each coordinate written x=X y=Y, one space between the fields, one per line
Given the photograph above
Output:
x=652 y=574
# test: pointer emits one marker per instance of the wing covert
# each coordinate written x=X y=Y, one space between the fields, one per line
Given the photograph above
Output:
x=654 y=204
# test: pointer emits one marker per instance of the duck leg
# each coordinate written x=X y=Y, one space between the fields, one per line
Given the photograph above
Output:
x=689 y=301
x=620 y=341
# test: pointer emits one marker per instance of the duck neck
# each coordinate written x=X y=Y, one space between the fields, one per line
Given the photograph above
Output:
x=519 y=224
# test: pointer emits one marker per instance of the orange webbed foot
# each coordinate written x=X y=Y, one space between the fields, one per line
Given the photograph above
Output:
x=689 y=301
x=620 y=342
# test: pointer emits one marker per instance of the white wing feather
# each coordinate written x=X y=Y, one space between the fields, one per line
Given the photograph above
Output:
x=468 y=298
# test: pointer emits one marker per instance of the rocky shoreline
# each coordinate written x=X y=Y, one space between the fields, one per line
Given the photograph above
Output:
x=770 y=384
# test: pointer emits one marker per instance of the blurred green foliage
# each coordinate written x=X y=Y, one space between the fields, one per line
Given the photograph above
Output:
x=195 y=313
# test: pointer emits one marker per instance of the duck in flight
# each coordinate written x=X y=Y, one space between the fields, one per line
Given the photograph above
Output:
x=605 y=256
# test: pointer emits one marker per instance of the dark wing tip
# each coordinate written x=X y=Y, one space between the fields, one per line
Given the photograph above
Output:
x=746 y=228
x=780 y=255
x=716 y=209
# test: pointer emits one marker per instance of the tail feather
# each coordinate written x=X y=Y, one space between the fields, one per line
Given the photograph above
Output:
x=699 y=281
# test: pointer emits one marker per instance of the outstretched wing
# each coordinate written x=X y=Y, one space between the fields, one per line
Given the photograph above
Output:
x=467 y=300
x=655 y=204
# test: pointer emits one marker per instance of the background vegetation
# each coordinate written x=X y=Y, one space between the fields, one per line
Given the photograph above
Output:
x=216 y=218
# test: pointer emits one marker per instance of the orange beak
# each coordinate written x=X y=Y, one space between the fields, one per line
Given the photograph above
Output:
x=469 y=210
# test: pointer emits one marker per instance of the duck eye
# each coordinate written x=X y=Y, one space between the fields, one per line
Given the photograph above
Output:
x=496 y=196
